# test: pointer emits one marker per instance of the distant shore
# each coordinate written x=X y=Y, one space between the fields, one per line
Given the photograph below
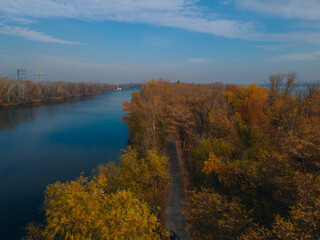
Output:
x=56 y=100
x=15 y=93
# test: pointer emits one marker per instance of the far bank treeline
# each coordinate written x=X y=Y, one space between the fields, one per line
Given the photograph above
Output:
x=252 y=154
x=18 y=92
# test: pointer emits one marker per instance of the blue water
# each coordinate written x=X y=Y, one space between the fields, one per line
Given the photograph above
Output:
x=45 y=144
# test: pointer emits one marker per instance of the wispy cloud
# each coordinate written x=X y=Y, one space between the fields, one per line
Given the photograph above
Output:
x=291 y=9
x=277 y=47
x=271 y=47
x=295 y=37
x=183 y=14
x=15 y=20
x=197 y=60
x=298 y=57
x=31 y=35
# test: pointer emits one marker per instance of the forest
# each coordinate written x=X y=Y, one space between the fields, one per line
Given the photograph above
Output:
x=19 y=92
x=252 y=155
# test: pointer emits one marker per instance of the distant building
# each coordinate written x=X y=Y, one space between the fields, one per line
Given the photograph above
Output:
x=39 y=76
x=119 y=89
x=22 y=73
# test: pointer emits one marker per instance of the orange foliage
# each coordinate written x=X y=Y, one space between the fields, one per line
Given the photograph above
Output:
x=216 y=166
x=250 y=102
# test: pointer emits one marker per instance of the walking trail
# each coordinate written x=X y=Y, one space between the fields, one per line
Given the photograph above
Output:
x=175 y=221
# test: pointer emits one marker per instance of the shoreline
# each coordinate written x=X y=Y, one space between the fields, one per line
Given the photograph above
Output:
x=52 y=101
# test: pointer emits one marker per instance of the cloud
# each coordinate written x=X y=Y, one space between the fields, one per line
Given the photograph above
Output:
x=31 y=35
x=291 y=9
x=16 y=20
x=298 y=57
x=296 y=37
x=271 y=47
x=182 y=14
x=197 y=60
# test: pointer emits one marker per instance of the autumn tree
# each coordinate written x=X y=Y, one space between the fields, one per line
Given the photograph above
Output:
x=147 y=116
x=250 y=103
x=213 y=216
x=117 y=202
x=146 y=176
x=82 y=210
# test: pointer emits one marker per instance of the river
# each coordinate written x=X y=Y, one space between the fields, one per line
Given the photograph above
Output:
x=44 y=144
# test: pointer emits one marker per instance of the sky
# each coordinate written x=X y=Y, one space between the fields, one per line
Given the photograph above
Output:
x=121 y=41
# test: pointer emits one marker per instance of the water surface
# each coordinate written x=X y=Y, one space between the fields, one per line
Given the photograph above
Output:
x=45 y=144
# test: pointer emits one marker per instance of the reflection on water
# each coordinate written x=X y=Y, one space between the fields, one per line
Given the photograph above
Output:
x=12 y=118
x=45 y=144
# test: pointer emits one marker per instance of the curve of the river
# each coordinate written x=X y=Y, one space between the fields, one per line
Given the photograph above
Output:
x=45 y=144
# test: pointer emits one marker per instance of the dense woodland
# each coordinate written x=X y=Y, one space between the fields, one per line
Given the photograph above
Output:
x=252 y=154
x=18 y=92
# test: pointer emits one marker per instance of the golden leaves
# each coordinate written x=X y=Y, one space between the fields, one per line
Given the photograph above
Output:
x=81 y=210
x=216 y=166
x=250 y=102
x=118 y=202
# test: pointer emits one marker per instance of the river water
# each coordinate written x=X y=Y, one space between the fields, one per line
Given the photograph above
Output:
x=44 y=144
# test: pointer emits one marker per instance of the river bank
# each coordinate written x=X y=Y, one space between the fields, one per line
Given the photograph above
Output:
x=56 y=142
x=51 y=101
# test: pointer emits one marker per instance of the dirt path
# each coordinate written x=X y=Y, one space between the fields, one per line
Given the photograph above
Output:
x=175 y=221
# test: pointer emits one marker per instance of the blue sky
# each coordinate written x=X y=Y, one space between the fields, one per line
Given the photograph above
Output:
x=118 y=41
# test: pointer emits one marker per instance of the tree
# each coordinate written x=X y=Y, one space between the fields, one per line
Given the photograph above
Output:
x=147 y=116
x=82 y=210
x=303 y=220
x=250 y=102
x=213 y=216
x=146 y=176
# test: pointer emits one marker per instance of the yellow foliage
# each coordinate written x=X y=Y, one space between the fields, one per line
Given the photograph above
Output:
x=214 y=165
x=250 y=102
x=118 y=202
x=82 y=210
x=146 y=176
